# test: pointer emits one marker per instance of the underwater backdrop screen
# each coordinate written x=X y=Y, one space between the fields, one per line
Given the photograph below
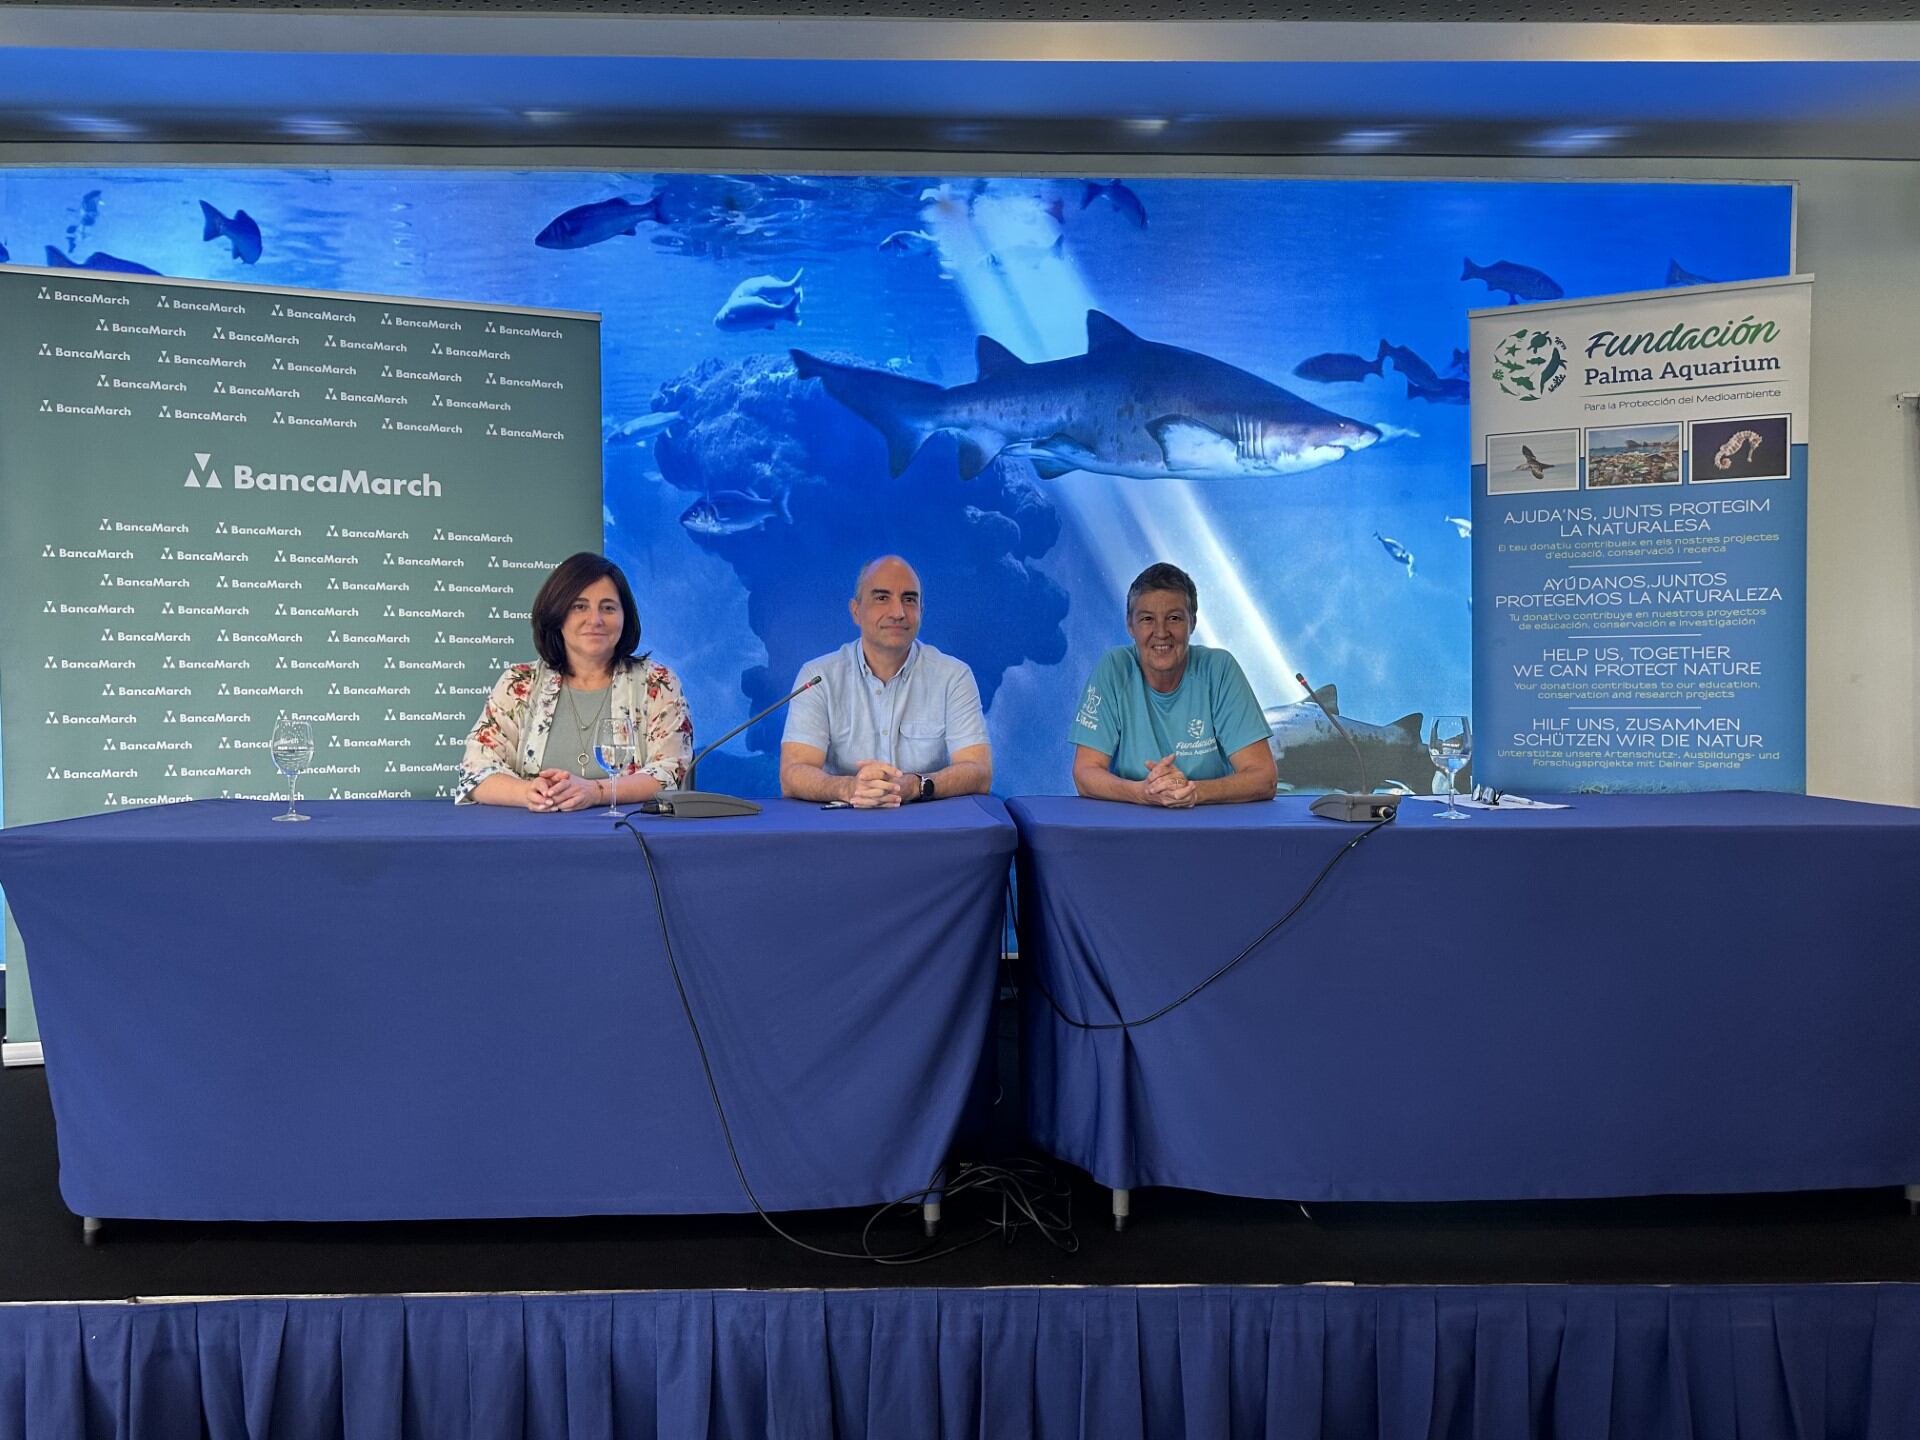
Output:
x=1031 y=388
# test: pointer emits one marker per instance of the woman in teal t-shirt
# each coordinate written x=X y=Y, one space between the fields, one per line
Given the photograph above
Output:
x=1165 y=721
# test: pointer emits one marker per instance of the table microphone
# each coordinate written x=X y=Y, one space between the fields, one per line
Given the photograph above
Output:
x=1362 y=804
x=690 y=804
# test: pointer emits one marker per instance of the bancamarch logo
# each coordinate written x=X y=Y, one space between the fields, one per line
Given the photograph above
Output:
x=204 y=475
x=1530 y=364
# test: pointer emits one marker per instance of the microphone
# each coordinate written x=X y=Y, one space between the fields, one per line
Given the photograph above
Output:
x=1359 y=804
x=688 y=803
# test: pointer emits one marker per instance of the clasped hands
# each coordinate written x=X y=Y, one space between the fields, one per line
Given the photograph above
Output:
x=562 y=790
x=1166 y=784
x=879 y=786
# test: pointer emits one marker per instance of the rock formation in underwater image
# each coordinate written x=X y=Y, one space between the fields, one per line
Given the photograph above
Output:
x=814 y=499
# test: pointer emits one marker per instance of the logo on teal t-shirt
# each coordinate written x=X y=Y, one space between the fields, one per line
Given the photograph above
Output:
x=1208 y=716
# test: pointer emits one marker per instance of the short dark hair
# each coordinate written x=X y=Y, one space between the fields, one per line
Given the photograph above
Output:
x=556 y=597
x=1162 y=576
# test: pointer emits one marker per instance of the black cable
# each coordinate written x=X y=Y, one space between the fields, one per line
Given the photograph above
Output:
x=1251 y=946
x=1024 y=1186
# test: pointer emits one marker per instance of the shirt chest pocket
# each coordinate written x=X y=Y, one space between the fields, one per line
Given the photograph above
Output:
x=923 y=746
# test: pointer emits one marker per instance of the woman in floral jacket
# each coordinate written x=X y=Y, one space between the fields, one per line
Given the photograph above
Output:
x=533 y=744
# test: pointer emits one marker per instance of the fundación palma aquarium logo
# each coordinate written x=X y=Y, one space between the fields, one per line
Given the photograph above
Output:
x=1530 y=364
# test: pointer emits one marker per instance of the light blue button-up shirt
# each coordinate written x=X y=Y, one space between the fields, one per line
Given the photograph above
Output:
x=914 y=721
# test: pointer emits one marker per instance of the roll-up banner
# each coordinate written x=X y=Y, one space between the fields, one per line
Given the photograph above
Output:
x=221 y=505
x=1640 y=540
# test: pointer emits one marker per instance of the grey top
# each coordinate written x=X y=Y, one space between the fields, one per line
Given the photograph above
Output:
x=574 y=724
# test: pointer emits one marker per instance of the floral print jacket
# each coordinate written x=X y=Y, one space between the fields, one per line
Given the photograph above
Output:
x=510 y=737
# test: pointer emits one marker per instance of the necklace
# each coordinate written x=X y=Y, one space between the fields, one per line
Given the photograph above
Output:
x=583 y=734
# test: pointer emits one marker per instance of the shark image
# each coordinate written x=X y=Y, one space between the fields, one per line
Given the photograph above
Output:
x=1311 y=755
x=1679 y=275
x=1128 y=407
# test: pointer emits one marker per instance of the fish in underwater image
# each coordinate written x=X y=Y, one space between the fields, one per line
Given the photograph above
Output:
x=731 y=513
x=641 y=428
x=98 y=260
x=1337 y=366
x=239 y=229
x=1127 y=407
x=586 y=225
x=1398 y=552
x=1121 y=196
x=1517 y=282
x=1409 y=364
x=1449 y=390
x=909 y=242
x=1032 y=386
x=760 y=303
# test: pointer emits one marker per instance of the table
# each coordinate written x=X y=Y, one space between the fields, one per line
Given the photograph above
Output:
x=407 y=1010
x=1639 y=995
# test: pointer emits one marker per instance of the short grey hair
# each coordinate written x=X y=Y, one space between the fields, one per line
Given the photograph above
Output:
x=1162 y=576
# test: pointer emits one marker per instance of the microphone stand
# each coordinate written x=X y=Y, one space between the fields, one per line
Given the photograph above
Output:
x=1361 y=804
x=688 y=803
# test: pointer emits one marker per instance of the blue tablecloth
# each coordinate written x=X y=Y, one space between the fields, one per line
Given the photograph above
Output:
x=406 y=1010
x=1637 y=995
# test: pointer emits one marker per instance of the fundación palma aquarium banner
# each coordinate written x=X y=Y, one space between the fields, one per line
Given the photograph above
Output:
x=221 y=505
x=1640 y=534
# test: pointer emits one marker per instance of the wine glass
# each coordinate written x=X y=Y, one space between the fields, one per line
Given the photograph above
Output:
x=1450 y=743
x=613 y=748
x=292 y=751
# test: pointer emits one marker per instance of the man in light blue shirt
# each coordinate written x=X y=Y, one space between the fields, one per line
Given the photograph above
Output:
x=895 y=721
x=1167 y=722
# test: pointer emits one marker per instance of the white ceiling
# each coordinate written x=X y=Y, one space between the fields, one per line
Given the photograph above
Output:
x=178 y=76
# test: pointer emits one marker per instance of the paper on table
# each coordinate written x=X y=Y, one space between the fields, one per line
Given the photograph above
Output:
x=1505 y=802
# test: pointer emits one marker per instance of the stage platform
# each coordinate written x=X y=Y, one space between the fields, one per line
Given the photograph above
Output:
x=1176 y=1237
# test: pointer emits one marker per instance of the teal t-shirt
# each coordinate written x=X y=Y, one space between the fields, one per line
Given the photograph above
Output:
x=1209 y=715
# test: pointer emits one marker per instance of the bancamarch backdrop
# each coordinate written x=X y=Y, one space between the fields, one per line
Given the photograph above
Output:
x=1030 y=386
x=221 y=505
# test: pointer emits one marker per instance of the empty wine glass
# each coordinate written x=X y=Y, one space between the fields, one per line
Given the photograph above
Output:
x=1450 y=743
x=292 y=751
x=613 y=748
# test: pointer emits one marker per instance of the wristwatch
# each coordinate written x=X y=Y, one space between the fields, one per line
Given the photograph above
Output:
x=926 y=788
